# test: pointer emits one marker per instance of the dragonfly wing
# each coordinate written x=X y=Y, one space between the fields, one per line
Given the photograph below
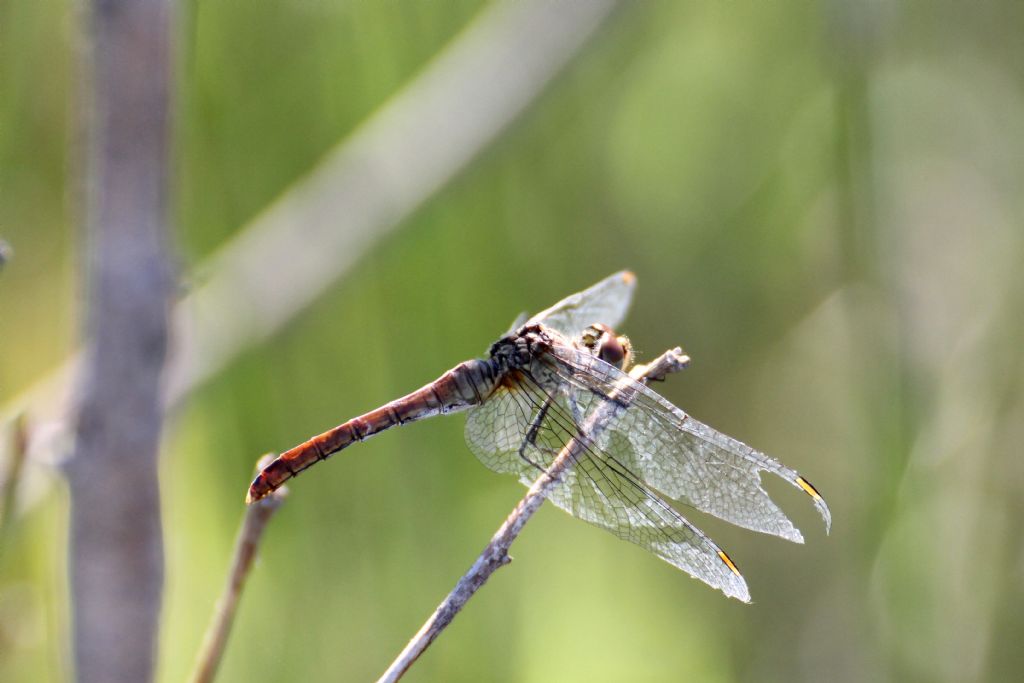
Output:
x=606 y=302
x=496 y=430
x=681 y=457
x=598 y=491
x=517 y=323
x=520 y=430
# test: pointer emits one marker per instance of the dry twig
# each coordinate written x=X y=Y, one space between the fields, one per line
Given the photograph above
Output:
x=495 y=555
x=255 y=521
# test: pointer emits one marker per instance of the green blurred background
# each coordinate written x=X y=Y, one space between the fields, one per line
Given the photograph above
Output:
x=822 y=205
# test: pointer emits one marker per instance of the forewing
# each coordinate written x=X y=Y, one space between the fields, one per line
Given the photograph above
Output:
x=681 y=457
x=606 y=302
x=597 y=488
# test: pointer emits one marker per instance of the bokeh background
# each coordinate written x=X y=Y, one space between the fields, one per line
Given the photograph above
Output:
x=822 y=205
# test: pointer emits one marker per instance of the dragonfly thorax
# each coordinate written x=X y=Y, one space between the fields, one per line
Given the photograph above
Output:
x=520 y=348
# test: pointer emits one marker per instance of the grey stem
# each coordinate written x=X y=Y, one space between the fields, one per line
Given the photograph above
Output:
x=116 y=554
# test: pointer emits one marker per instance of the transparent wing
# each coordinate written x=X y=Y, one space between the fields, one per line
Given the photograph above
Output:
x=520 y=429
x=517 y=323
x=606 y=302
x=682 y=458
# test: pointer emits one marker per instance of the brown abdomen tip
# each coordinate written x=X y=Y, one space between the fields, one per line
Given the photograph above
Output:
x=257 y=489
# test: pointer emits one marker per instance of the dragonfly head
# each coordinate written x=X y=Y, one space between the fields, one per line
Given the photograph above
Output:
x=603 y=342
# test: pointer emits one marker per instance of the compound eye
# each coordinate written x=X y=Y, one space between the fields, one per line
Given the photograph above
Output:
x=612 y=351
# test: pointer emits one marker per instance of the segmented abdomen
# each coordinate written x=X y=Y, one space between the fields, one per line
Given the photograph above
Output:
x=465 y=385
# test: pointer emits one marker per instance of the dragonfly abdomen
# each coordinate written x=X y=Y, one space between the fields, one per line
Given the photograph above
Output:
x=465 y=385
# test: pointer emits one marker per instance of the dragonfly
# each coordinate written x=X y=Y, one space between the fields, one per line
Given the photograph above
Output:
x=559 y=380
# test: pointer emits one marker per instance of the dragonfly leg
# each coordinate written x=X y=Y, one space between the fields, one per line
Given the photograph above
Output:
x=531 y=434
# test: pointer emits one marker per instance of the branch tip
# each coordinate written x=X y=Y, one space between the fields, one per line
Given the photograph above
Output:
x=254 y=522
